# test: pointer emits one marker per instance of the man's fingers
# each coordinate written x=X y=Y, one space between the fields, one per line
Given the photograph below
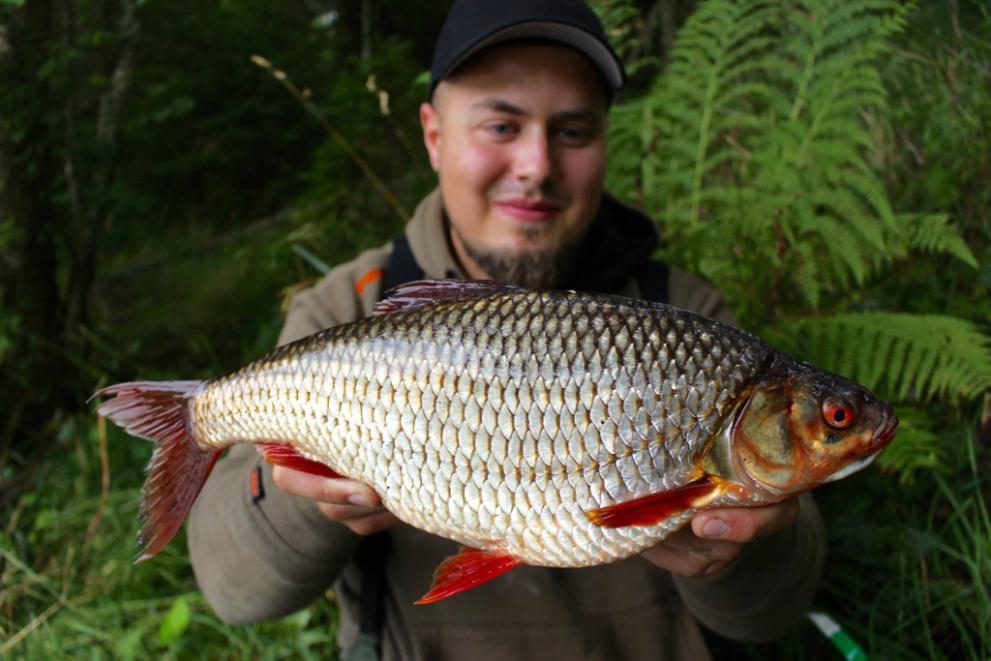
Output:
x=338 y=491
x=745 y=524
x=684 y=553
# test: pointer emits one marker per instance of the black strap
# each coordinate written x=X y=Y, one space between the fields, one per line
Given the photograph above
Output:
x=402 y=266
x=653 y=282
x=370 y=559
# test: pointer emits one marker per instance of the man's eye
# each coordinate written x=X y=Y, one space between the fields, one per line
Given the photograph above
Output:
x=575 y=134
x=500 y=129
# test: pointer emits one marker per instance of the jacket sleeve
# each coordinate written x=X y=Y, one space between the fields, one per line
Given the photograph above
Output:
x=262 y=557
x=767 y=589
x=762 y=594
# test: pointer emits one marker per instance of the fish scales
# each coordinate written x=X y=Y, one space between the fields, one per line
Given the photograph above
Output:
x=500 y=422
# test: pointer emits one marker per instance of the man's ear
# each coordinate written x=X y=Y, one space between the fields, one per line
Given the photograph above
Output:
x=430 y=122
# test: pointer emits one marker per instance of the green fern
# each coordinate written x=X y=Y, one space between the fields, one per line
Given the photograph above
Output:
x=751 y=150
x=904 y=356
x=625 y=27
x=933 y=233
x=915 y=446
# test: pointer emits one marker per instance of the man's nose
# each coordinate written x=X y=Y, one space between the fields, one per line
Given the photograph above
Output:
x=534 y=162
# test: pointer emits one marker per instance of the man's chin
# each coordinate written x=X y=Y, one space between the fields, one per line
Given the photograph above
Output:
x=536 y=268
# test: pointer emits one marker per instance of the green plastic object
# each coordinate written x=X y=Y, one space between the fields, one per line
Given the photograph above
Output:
x=840 y=639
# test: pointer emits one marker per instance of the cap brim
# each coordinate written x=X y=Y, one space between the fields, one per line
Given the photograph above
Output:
x=603 y=58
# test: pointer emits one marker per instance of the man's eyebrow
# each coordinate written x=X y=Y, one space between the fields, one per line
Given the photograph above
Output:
x=498 y=105
x=580 y=113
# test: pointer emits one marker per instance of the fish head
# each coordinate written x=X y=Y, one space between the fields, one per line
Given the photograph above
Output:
x=802 y=426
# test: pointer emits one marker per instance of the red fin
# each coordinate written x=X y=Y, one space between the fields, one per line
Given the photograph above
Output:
x=654 y=508
x=156 y=410
x=470 y=567
x=280 y=454
x=420 y=293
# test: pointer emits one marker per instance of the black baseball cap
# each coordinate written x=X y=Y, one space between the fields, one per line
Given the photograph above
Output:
x=472 y=25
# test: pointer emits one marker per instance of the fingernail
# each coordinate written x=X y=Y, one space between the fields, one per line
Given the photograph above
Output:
x=361 y=501
x=715 y=528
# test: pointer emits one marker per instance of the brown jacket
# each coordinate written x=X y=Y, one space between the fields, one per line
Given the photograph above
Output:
x=261 y=560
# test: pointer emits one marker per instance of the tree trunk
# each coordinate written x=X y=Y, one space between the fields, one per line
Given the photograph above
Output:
x=366 y=29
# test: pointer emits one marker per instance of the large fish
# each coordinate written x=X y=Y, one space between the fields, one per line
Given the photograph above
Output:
x=542 y=428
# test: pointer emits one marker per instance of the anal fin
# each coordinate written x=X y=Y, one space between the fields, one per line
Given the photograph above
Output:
x=282 y=454
x=654 y=508
x=469 y=568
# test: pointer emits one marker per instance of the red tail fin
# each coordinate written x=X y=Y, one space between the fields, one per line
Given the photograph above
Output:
x=156 y=410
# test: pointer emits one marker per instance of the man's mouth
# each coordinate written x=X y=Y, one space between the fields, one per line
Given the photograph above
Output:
x=529 y=210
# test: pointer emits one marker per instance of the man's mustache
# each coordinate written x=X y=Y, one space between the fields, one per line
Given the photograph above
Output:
x=531 y=195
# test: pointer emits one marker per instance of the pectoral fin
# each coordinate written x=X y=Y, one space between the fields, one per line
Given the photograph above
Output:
x=281 y=454
x=470 y=567
x=656 y=507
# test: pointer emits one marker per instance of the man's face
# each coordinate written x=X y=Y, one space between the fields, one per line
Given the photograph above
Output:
x=517 y=137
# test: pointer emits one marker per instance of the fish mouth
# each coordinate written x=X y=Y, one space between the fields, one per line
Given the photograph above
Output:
x=886 y=430
x=853 y=467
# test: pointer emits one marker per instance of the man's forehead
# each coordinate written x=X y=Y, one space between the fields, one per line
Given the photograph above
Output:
x=491 y=77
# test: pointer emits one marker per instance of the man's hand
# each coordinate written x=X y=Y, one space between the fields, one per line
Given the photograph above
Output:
x=349 y=502
x=717 y=536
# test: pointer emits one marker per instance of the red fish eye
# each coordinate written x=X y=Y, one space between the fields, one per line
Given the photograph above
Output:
x=838 y=414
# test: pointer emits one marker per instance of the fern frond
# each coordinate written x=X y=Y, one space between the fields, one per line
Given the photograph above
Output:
x=933 y=233
x=907 y=356
x=915 y=446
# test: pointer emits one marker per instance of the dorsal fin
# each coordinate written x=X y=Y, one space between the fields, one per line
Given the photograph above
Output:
x=420 y=293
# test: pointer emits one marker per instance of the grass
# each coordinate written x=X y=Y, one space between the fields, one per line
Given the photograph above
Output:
x=909 y=567
x=68 y=587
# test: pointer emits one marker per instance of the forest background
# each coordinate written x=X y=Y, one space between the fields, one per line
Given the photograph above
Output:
x=826 y=162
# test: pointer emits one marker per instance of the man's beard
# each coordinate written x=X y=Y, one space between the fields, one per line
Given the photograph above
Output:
x=540 y=268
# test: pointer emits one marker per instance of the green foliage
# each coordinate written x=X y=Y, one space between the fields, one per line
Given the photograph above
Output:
x=903 y=356
x=69 y=585
x=932 y=233
x=916 y=446
x=625 y=28
x=752 y=152
x=175 y=622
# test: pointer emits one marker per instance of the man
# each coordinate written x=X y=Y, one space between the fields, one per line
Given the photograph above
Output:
x=515 y=129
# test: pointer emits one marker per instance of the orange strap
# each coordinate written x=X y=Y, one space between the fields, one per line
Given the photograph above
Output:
x=373 y=275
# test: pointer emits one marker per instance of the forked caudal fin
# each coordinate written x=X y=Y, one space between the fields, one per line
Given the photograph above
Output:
x=156 y=411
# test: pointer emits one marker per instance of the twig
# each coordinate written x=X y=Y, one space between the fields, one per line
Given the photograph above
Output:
x=14 y=517
x=281 y=76
x=736 y=145
x=17 y=563
x=39 y=619
x=94 y=522
x=32 y=625
x=383 y=99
